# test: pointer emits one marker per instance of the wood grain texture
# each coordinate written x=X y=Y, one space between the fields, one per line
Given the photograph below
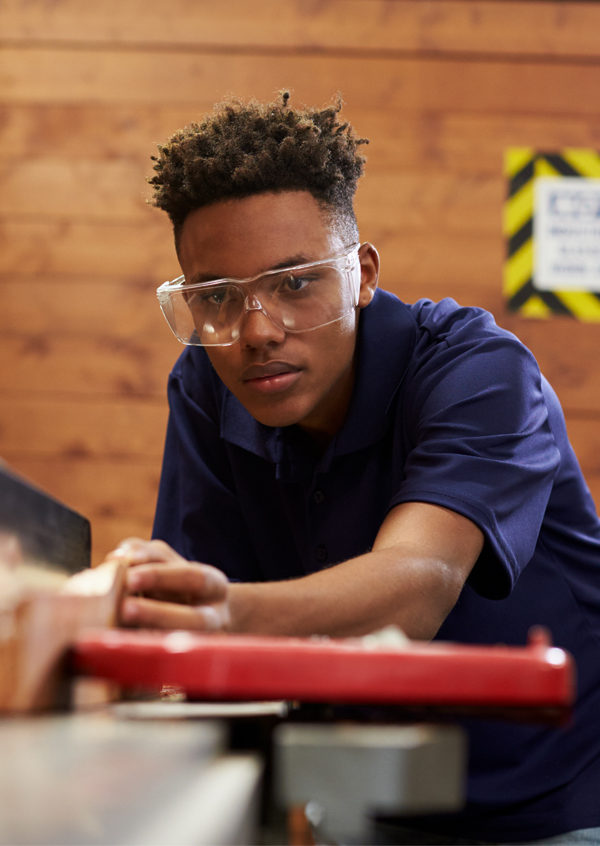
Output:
x=53 y=248
x=70 y=246
x=472 y=26
x=84 y=306
x=438 y=200
x=424 y=139
x=63 y=427
x=43 y=625
x=96 y=487
x=117 y=495
x=58 y=76
x=79 y=365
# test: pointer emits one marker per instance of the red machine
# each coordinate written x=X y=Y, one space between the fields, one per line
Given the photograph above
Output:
x=536 y=677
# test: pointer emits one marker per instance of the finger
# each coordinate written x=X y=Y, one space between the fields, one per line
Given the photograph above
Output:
x=184 y=582
x=153 y=614
x=135 y=551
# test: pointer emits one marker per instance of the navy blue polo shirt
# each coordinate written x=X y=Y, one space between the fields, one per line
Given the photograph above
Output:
x=449 y=409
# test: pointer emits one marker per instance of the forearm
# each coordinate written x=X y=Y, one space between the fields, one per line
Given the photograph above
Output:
x=388 y=586
x=421 y=558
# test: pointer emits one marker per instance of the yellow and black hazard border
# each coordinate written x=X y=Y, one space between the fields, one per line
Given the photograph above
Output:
x=523 y=166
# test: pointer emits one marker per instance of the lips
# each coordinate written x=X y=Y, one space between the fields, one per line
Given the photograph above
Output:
x=272 y=377
x=269 y=368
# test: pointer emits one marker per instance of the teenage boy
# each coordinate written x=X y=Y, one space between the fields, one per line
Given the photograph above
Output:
x=339 y=461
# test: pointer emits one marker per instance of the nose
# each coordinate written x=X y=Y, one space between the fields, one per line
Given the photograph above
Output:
x=258 y=330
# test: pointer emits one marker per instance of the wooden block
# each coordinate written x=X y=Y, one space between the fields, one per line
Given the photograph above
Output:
x=41 y=625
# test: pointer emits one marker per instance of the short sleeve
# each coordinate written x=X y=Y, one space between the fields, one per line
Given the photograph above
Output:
x=480 y=440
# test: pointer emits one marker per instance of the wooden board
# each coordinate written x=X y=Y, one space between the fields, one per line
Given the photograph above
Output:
x=108 y=366
x=41 y=625
x=83 y=306
x=41 y=528
x=65 y=246
x=477 y=26
x=69 y=427
x=424 y=139
x=438 y=201
x=42 y=248
x=199 y=79
x=105 y=488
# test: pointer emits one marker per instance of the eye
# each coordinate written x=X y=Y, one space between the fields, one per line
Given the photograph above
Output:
x=296 y=282
x=214 y=296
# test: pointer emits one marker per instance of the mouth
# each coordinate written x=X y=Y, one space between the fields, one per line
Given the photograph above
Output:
x=271 y=377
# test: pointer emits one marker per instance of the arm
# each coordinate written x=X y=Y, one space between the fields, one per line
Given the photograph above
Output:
x=420 y=561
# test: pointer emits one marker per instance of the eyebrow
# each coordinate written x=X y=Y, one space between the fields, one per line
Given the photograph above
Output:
x=289 y=261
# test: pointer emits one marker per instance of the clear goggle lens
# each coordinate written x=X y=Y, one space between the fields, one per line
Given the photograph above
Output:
x=296 y=299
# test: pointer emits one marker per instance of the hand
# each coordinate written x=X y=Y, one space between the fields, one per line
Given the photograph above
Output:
x=175 y=593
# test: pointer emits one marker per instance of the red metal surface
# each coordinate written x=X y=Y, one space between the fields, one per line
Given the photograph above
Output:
x=234 y=667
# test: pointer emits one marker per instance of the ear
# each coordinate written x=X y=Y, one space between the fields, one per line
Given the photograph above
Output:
x=369 y=274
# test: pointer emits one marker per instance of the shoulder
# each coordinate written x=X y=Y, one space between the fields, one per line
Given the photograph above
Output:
x=469 y=338
x=449 y=322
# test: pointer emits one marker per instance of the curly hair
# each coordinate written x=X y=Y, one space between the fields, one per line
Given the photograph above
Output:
x=242 y=149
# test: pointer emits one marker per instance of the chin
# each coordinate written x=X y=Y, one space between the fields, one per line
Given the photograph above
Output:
x=276 y=417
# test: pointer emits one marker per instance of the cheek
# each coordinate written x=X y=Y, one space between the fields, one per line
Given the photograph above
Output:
x=338 y=344
x=348 y=325
x=223 y=363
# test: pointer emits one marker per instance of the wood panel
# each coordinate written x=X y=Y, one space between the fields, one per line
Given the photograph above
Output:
x=67 y=428
x=93 y=366
x=439 y=200
x=53 y=188
x=117 y=496
x=584 y=434
x=475 y=26
x=199 y=79
x=70 y=246
x=96 y=488
x=566 y=351
x=440 y=140
x=84 y=306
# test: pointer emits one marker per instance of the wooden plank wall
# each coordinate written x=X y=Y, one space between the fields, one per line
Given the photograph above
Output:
x=441 y=87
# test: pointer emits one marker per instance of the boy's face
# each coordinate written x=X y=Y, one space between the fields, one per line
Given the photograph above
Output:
x=279 y=377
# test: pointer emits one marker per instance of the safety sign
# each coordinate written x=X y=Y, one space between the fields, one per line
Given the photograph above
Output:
x=552 y=226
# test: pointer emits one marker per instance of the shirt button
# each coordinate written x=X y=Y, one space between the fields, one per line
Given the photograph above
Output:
x=318 y=497
x=322 y=553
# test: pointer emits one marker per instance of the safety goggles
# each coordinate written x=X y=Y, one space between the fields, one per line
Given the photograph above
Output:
x=295 y=299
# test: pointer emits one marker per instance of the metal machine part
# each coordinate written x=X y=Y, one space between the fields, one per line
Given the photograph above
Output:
x=344 y=773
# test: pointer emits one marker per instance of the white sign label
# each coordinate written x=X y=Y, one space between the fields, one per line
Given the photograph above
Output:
x=566 y=234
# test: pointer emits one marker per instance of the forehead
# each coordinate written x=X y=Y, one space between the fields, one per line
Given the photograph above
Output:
x=243 y=237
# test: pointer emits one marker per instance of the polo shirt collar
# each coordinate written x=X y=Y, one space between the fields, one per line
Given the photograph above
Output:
x=386 y=339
